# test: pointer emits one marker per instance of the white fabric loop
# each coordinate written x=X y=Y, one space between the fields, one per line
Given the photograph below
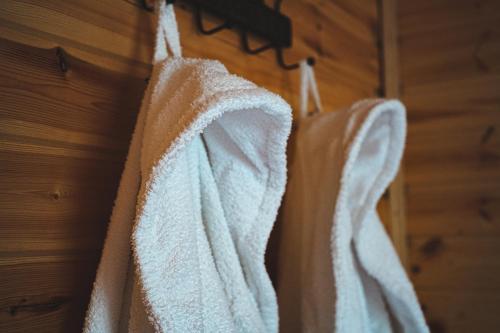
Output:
x=167 y=33
x=308 y=84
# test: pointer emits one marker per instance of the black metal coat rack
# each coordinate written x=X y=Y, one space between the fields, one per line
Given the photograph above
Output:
x=249 y=17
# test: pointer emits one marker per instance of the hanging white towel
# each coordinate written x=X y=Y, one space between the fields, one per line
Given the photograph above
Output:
x=338 y=271
x=203 y=180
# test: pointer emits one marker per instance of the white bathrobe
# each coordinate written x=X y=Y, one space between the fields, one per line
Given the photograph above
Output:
x=199 y=194
x=338 y=271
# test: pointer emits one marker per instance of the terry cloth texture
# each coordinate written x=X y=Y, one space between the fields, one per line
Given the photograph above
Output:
x=199 y=194
x=338 y=271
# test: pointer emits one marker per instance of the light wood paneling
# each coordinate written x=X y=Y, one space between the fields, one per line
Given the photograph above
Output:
x=450 y=67
x=64 y=135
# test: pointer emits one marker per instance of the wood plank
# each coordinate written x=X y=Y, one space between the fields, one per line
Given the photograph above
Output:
x=66 y=202
x=473 y=93
x=454 y=210
x=428 y=17
x=121 y=38
x=46 y=296
x=453 y=132
x=443 y=171
x=448 y=147
x=458 y=56
x=61 y=165
x=461 y=312
x=455 y=263
x=83 y=97
x=450 y=69
x=63 y=140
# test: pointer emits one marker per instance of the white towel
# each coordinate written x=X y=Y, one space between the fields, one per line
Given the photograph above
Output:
x=199 y=194
x=338 y=270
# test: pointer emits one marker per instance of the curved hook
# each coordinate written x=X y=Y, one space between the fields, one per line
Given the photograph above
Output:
x=281 y=61
x=279 y=51
x=248 y=49
x=199 y=23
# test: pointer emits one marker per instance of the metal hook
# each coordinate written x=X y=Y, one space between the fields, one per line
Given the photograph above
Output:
x=199 y=23
x=248 y=49
x=281 y=61
x=279 y=51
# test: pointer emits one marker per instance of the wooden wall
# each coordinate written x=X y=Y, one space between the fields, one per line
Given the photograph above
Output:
x=66 y=119
x=450 y=72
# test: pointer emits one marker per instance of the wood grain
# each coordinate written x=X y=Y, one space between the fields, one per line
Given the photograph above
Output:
x=118 y=35
x=465 y=311
x=63 y=140
x=455 y=209
x=64 y=131
x=450 y=70
x=470 y=263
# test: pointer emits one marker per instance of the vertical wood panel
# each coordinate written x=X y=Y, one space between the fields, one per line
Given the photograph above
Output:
x=450 y=67
x=391 y=83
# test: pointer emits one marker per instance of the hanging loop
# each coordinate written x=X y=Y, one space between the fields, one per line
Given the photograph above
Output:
x=167 y=34
x=281 y=61
x=308 y=85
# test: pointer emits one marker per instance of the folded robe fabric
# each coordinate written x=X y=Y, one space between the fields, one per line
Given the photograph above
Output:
x=338 y=271
x=199 y=194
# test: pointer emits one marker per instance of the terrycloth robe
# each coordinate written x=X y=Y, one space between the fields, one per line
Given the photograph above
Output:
x=199 y=194
x=338 y=271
